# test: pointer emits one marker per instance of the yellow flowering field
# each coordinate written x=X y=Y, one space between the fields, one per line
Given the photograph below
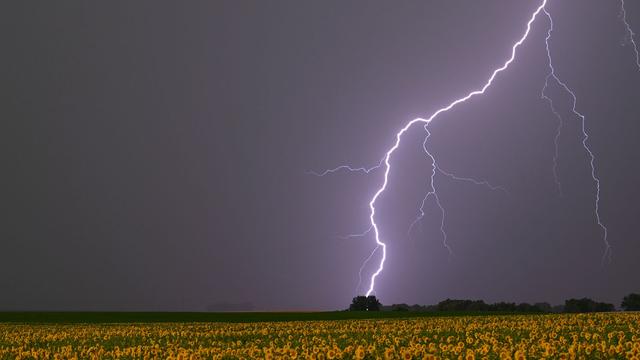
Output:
x=579 y=336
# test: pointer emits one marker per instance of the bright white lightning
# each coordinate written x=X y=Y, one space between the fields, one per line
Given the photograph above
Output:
x=386 y=161
x=426 y=121
x=630 y=33
x=585 y=136
x=364 y=263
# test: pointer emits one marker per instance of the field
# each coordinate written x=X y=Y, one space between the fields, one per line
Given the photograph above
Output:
x=603 y=335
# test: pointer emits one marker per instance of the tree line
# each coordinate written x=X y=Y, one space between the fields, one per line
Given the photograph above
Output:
x=630 y=302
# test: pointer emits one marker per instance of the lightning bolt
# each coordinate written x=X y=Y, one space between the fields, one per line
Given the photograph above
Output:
x=473 y=181
x=364 y=263
x=630 y=33
x=432 y=192
x=351 y=169
x=427 y=121
x=348 y=168
x=556 y=139
x=385 y=163
x=585 y=136
x=351 y=236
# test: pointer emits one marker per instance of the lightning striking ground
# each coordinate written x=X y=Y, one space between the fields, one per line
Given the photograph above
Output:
x=385 y=163
x=585 y=136
x=389 y=153
x=364 y=263
x=630 y=33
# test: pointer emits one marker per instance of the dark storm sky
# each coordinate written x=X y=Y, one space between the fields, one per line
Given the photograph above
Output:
x=154 y=153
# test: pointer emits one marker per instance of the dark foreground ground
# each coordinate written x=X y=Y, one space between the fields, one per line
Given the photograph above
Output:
x=232 y=317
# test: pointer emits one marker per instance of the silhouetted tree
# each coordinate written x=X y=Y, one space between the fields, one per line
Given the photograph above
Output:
x=476 y=305
x=604 y=307
x=400 y=307
x=359 y=303
x=365 y=303
x=586 y=305
x=578 y=305
x=422 y=308
x=543 y=307
x=526 y=307
x=479 y=306
x=373 y=304
x=631 y=302
x=504 y=306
